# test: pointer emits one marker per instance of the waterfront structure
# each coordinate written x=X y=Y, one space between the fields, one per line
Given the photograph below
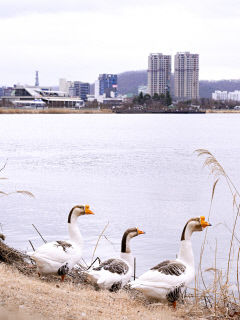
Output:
x=186 y=76
x=106 y=85
x=159 y=73
x=226 y=96
x=39 y=97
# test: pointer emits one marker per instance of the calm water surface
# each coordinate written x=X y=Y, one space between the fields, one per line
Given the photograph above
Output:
x=133 y=170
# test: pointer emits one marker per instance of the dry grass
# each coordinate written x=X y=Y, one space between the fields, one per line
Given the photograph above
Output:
x=222 y=111
x=218 y=296
x=23 y=296
x=52 y=111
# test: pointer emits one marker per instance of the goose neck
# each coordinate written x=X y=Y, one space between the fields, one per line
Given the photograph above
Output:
x=74 y=232
x=186 y=253
x=125 y=247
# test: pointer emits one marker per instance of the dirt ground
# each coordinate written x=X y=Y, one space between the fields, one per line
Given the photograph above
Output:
x=24 y=297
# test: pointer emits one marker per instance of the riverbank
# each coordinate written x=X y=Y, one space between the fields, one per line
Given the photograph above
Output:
x=28 y=297
x=100 y=111
x=222 y=111
x=54 y=111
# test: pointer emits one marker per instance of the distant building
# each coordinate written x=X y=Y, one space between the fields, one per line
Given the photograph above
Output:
x=143 y=89
x=159 y=73
x=65 y=85
x=6 y=91
x=36 y=79
x=75 y=88
x=106 y=85
x=81 y=89
x=234 y=96
x=186 y=76
x=220 y=95
x=226 y=96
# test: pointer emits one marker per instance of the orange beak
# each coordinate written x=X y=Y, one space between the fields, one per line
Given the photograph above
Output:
x=140 y=231
x=87 y=210
x=204 y=223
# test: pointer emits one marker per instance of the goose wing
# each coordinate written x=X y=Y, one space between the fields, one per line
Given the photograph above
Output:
x=111 y=272
x=115 y=266
x=168 y=267
x=59 y=251
x=167 y=274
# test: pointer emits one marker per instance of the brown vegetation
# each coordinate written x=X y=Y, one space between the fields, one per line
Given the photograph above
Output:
x=52 y=111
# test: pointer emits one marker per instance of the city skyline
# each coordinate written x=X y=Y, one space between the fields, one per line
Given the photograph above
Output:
x=81 y=39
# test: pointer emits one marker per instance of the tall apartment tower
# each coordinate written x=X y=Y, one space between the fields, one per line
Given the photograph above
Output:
x=159 y=73
x=186 y=76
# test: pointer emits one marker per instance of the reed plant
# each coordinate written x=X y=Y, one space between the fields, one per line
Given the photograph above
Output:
x=221 y=296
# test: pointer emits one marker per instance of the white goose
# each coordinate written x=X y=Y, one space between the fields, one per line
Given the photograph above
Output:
x=165 y=280
x=59 y=257
x=114 y=273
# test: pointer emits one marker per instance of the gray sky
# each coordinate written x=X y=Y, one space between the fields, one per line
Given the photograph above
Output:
x=78 y=39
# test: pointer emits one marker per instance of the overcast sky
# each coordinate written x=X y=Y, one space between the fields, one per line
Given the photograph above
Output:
x=78 y=39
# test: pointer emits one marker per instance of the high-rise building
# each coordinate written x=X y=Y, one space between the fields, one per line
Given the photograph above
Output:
x=159 y=73
x=106 y=85
x=81 y=89
x=186 y=76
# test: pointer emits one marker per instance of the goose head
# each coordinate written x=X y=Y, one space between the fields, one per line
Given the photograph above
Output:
x=129 y=234
x=193 y=225
x=79 y=210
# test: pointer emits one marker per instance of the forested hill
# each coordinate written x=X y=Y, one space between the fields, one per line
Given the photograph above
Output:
x=129 y=81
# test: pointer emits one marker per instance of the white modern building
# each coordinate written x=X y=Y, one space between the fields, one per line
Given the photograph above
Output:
x=234 y=96
x=65 y=85
x=159 y=73
x=220 y=95
x=40 y=97
x=186 y=76
x=226 y=96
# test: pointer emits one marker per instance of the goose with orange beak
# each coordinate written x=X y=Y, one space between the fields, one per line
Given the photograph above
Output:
x=166 y=280
x=114 y=273
x=59 y=257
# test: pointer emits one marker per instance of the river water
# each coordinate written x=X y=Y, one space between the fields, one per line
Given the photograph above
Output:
x=133 y=170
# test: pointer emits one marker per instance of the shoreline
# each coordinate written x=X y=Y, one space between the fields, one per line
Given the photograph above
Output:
x=100 y=111
x=55 y=111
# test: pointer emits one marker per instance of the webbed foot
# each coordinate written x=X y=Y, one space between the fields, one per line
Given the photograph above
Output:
x=63 y=270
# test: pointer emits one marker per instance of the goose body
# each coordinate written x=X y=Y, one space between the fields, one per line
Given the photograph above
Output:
x=59 y=257
x=114 y=273
x=166 y=280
